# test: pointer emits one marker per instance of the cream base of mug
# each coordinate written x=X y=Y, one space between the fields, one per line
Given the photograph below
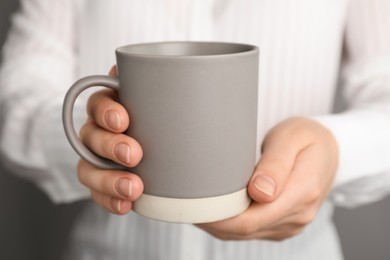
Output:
x=200 y=210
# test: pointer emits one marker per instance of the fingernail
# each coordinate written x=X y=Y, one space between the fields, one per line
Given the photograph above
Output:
x=124 y=187
x=265 y=184
x=115 y=204
x=113 y=119
x=122 y=152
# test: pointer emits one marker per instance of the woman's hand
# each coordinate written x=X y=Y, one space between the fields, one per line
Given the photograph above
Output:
x=293 y=177
x=114 y=190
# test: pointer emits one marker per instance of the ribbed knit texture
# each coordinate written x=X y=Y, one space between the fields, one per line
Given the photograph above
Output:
x=306 y=48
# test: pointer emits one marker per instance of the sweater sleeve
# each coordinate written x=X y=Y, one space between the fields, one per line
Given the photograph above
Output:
x=39 y=64
x=363 y=130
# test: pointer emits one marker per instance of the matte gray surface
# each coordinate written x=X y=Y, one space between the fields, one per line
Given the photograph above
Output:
x=67 y=118
x=33 y=228
x=193 y=108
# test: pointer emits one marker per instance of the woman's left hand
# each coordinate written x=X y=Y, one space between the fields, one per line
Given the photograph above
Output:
x=292 y=179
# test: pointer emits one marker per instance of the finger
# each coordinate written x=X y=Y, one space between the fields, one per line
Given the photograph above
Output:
x=260 y=221
x=113 y=71
x=282 y=233
x=260 y=218
x=117 y=147
x=112 y=183
x=296 y=206
x=113 y=205
x=304 y=194
x=103 y=108
x=313 y=176
x=256 y=218
x=277 y=234
x=280 y=148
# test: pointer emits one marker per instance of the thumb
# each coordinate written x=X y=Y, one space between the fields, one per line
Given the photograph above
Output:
x=274 y=168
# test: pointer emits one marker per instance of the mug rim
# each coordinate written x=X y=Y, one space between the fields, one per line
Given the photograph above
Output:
x=250 y=49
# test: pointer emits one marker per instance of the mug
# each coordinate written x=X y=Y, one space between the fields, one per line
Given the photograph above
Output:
x=193 y=109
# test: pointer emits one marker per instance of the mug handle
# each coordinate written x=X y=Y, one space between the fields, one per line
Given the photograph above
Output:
x=67 y=118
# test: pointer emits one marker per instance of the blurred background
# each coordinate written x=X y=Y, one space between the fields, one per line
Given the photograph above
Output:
x=31 y=227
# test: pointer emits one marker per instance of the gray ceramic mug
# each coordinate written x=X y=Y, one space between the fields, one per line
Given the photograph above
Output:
x=193 y=109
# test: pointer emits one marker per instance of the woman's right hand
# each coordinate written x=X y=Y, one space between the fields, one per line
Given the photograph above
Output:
x=114 y=190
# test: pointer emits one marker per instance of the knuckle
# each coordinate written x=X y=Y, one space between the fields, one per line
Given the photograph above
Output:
x=313 y=194
x=225 y=236
x=87 y=133
x=84 y=130
x=245 y=229
x=107 y=145
x=306 y=218
x=286 y=234
x=296 y=231
x=279 y=237
x=106 y=183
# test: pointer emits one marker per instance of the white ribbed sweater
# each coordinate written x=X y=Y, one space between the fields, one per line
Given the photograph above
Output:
x=54 y=42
